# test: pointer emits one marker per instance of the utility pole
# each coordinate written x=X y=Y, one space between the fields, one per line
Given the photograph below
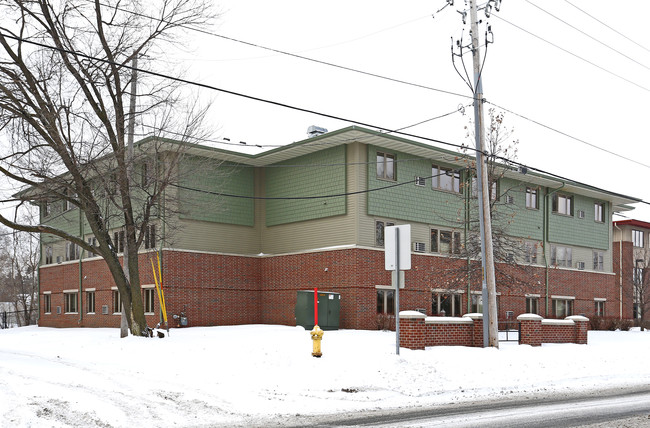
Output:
x=129 y=170
x=489 y=292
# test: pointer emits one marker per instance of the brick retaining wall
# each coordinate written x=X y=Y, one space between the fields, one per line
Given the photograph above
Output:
x=418 y=331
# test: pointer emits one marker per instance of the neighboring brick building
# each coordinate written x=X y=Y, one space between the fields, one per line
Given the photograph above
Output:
x=632 y=247
x=243 y=244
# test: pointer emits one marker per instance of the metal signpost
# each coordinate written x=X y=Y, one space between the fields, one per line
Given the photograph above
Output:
x=397 y=257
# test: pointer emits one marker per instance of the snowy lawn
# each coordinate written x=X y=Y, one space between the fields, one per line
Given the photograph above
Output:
x=234 y=374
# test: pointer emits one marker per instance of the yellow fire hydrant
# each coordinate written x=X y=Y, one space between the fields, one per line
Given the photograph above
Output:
x=316 y=337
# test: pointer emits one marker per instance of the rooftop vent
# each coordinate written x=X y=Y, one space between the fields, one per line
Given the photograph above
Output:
x=315 y=131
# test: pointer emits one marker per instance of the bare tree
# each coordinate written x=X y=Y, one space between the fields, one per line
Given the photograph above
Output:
x=514 y=256
x=65 y=81
x=19 y=258
x=639 y=286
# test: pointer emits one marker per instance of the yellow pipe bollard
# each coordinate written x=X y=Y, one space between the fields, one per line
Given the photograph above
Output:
x=316 y=337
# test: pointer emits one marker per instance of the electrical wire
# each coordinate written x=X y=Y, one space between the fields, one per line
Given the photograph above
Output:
x=588 y=35
x=226 y=91
x=573 y=54
x=613 y=29
x=242 y=144
x=293 y=198
x=570 y=136
x=281 y=52
x=161 y=75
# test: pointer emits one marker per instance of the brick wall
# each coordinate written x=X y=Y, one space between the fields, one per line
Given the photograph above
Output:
x=216 y=289
x=418 y=331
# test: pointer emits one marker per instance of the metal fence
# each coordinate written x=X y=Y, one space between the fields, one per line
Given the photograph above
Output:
x=509 y=331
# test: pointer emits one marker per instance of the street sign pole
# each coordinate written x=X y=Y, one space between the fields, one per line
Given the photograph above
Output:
x=397 y=240
x=397 y=248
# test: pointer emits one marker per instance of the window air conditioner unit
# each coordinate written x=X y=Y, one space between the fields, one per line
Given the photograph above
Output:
x=419 y=247
x=580 y=265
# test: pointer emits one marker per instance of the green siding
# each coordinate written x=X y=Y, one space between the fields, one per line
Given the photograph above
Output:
x=212 y=179
x=409 y=202
x=522 y=222
x=324 y=173
x=585 y=232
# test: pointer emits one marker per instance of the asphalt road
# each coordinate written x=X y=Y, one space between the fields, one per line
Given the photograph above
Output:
x=615 y=408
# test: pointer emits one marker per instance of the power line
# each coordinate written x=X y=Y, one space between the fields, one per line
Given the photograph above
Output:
x=588 y=35
x=571 y=136
x=573 y=54
x=293 y=198
x=613 y=29
x=281 y=52
x=226 y=91
x=205 y=86
x=242 y=144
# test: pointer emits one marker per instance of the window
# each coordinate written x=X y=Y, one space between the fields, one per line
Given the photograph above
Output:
x=385 y=166
x=70 y=302
x=599 y=308
x=145 y=176
x=118 y=241
x=598 y=260
x=150 y=236
x=45 y=209
x=386 y=302
x=477 y=303
x=71 y=251
x=532 y=305
x=562 y=307
x=90 y=302
x=599 y=212
x=48 y=255
x=445 y=241
x=492 y=189
x=531 y=198
x=561 y=256
x=563 y=204
x=638 y=276
x=380 y=227
x=93 y=242
x=445 y=179
x=148 y=300
x=446 y=304
x=420 y=181
x=117 y=302
x=637 y=238
x=530 y=252
x=47 y=303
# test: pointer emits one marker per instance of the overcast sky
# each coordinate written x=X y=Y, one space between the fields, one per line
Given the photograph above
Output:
x=591 y=83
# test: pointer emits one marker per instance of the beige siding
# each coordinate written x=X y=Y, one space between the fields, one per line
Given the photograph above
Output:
x=214 y=237
x=321 y=233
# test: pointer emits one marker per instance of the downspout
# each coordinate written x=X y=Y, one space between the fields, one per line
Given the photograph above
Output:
x=546 y=220
x=81 y=255
x=620 y=271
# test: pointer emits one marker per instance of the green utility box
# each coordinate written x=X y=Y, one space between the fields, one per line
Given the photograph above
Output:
x=329 y=308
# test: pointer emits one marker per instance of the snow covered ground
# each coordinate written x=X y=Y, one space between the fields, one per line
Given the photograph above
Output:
x=242 y=375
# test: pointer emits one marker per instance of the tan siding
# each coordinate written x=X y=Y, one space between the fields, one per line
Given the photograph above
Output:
x=327 y=232
x=216 y=237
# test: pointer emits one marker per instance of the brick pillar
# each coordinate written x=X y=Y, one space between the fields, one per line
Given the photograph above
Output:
x=412 y=330
x=477 y=329
x=530 y=331
x=582 y=327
